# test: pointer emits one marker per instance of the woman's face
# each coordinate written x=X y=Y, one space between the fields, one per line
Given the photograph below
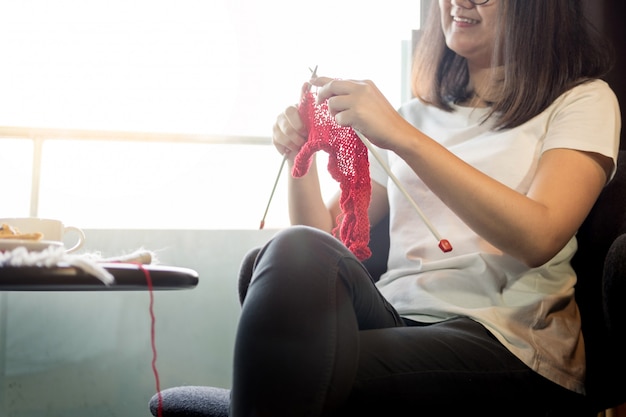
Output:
x=470 y=30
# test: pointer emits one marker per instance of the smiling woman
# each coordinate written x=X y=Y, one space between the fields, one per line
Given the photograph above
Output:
x=223 y=67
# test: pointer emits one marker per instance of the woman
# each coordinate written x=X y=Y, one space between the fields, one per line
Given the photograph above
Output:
x=508 y=144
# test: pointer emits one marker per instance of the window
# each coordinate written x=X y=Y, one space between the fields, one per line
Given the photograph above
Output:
x=219 y=68
x=16 y=158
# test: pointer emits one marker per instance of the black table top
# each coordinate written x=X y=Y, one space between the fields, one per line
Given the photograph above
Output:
x=128 y=277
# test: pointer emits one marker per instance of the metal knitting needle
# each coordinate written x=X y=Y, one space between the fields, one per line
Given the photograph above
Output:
x=282 y=165
x=444 y=245
x=280 y=170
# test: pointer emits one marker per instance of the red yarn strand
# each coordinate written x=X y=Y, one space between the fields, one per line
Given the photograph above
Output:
x=153 y=339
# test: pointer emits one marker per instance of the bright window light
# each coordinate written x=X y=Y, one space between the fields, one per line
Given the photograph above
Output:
x=223 y=67
x=16 y=157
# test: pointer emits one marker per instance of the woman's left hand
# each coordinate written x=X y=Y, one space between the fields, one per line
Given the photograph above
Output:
x=361 y=105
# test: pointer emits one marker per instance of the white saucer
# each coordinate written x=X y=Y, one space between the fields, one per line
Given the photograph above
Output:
x=30 y=245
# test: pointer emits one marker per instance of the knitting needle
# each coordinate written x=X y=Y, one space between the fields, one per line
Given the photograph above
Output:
x=282 y=164
x=444 y=245
x=280 y=170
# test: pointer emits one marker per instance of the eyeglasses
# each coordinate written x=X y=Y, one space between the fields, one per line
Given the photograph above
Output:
x=478 y=2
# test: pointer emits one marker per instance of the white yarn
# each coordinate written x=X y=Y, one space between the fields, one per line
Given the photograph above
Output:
x=56 y=256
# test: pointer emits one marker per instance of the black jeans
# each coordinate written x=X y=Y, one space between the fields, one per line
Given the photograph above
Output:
x=316 y=338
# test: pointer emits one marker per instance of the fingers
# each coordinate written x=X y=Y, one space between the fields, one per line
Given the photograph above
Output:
x=358 y=104
x=320 y=81
x=289 y=132
x=329 y=87
x=350 y=103
x=343 y=97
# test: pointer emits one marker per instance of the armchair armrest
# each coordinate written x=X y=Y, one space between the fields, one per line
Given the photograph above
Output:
x=614 y=292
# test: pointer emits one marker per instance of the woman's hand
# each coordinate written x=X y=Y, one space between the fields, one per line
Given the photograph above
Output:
x=289 y=132
x=361 y=105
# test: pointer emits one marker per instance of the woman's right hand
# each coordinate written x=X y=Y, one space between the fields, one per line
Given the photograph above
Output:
x=289 y=132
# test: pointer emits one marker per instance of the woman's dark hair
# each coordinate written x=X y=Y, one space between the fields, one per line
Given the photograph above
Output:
x=546 y=46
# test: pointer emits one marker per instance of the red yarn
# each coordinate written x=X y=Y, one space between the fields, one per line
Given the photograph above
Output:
x=347 y=164
x=157 y=381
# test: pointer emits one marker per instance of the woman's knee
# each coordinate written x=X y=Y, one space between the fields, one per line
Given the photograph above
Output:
x=289 y=249
x=302 y=245
x=297 y=259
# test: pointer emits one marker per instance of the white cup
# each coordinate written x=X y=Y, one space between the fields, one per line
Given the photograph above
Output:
x=52 y=229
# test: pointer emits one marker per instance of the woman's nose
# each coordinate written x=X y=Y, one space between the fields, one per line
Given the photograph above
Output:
x=465 y=4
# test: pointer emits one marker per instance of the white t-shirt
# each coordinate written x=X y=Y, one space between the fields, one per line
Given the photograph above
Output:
x=531 y=311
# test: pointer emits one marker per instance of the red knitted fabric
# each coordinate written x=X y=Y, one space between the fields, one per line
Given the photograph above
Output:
x=347 y=164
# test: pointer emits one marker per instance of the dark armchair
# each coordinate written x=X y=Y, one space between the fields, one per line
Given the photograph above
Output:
x=600 y=292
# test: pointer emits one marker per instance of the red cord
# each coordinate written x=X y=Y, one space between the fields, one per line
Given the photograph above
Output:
x=153 y=340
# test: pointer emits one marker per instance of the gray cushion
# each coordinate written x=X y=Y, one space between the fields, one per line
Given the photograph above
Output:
x=192 y=401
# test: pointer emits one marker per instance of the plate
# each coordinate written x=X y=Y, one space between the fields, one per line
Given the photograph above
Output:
x=30 y=245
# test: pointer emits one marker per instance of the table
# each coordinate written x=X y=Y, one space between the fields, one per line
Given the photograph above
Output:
x=128 y=277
